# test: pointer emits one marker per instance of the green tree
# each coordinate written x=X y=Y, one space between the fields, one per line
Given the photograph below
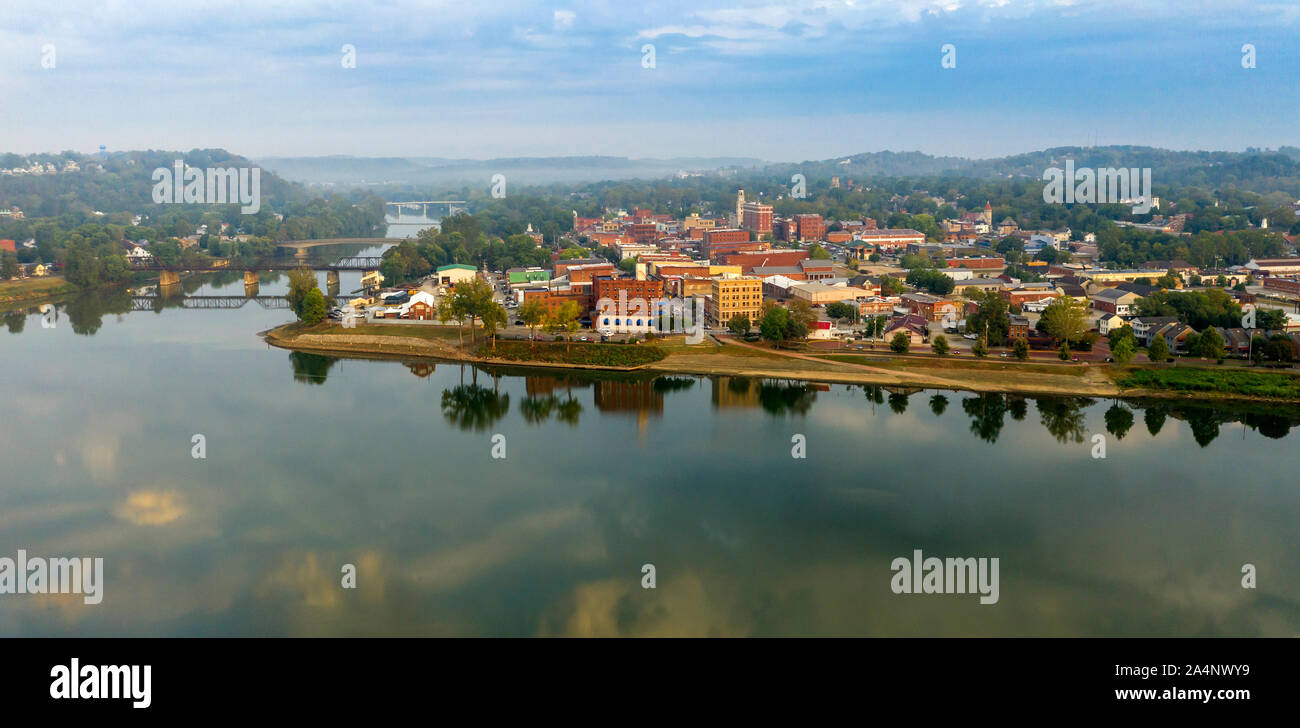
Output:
x=1209 y=345
x=940 y=345
x=1064 y=352
x=1065 y=321
x=774 y=324
x=981 y=347
x=1020 y=348
x=900 y=343
x=1158 y=349
x=313 y=307
x=1123 y=350
x=494 y=317
x=565 y=318
x=841 y=311
x=301 y=282
x=533 y=314
x=8 y=266
x=739 y=324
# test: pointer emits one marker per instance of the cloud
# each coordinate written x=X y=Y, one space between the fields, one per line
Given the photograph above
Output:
x=564 y=19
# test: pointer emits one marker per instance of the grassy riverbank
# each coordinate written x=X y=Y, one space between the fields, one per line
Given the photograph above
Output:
x=33 y=290
x=1218 y=382
x=671 y=355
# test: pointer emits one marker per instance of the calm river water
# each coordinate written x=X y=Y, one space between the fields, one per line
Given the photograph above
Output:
x=313 y=463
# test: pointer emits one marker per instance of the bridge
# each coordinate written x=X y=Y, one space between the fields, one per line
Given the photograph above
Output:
x=156 y=303
x=424 y=207
x=170 y=275
x=316 y=243
x=217 y=265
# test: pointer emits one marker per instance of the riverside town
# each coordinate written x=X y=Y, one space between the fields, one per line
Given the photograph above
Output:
x=721 y=319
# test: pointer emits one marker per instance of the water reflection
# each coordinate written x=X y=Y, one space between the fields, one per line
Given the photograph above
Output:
x=310 y=368
x=551 y=397
x=474 y=407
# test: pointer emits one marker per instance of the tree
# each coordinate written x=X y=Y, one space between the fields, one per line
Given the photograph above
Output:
x=313 y=307
x=1158 y=349
x=739 y=324
x=801 y=319
x=494 y=317
x=773 y=324
x=1209 y=345
x=564 y=318
x=301 y=282
x=1123 y=350
x=446 y=311
x=1065 y=321
x=990 y=317
x=981 y=348
x=940 y=345
x=8 y=266
x=1020 y=348
x=472 y=299
x=900 y=343
x=1270 y=319
x=817 y=252
x=1064 y=352
x=891 y=286
x=533 y=314
x=841 y=311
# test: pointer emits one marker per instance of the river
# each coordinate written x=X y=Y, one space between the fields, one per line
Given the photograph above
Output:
x=310 y=464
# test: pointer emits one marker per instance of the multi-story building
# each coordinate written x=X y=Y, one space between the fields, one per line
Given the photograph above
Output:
x=757 y=217
x=891 y=239
x=810 y=227
x=722 y=241
x=626 y=304
x=732 y=297
x=643 y=232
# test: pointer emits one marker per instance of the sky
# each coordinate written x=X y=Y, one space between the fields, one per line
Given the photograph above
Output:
x=781 y=80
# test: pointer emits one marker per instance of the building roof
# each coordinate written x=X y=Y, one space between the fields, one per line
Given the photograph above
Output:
x=457 y=266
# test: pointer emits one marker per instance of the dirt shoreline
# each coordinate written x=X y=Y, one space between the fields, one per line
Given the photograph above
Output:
x=1092 y=383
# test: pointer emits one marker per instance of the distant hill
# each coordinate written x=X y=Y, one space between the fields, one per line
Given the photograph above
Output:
x=372 y=171
x=117 y=182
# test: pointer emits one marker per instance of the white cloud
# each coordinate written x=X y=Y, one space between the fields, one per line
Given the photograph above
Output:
x=564 y=19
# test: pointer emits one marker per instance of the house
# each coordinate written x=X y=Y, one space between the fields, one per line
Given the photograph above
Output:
x=422 y=306
x=1108 y=322
x=930 y=308
x=137 y=253
x=1115 y=301
x=1175 y=335
x=1144 y=327
x=1019 y=328
x=915 y=327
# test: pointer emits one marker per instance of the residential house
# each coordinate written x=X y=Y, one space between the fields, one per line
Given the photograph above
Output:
x=1116 y=301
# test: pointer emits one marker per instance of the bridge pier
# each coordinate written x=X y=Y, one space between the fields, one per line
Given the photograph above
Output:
x=332 y=282
x=251 y=283
x=167 y=279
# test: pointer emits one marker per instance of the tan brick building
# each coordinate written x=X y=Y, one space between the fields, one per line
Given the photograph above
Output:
x=734 y=296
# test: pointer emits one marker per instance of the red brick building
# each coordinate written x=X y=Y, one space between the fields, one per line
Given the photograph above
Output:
x=728 y=240
x=762 y=259
x=810 y=227
x=757 y=217
x=643 y=232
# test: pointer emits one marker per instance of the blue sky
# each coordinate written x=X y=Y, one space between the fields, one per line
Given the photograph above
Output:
x=791 y=80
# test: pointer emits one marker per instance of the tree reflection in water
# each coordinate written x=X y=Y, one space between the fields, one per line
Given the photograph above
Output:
x=310 y=368
x=1064 y=417
x=471 y=407
x=786 y=397
x=987 y=411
